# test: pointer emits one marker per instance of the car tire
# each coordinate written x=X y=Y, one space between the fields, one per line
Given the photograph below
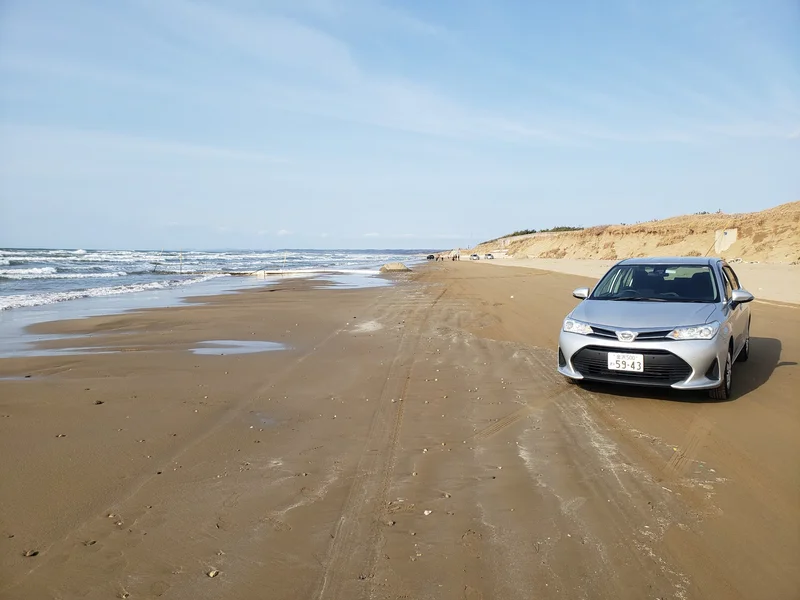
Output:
x=745 y=352
x=723 y=391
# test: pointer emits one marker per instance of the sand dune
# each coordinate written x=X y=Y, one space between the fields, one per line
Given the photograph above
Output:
x=771 y=235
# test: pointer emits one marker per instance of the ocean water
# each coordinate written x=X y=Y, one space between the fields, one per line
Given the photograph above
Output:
x=37 y=277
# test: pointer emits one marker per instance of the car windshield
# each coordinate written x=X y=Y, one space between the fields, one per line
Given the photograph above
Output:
x=658 y=283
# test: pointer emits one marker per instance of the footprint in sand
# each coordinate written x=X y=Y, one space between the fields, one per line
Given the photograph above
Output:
x=470 y=593
x=159 y=588
x=471 y=541
x=277 y=524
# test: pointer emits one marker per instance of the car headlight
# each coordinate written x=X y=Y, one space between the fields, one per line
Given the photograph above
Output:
x=695 y=332
x=573 y=326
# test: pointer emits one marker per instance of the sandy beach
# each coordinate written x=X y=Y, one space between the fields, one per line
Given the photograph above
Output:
x=409 y=441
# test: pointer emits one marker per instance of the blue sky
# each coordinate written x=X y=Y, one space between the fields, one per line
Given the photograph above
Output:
x=359 y=123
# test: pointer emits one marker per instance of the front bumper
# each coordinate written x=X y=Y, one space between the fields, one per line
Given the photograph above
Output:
x=683 y=365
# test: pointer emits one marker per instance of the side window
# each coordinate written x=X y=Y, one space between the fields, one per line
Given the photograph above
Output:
x=728 y=287
x=613 y=281
x=732 y=277
x=625 y=280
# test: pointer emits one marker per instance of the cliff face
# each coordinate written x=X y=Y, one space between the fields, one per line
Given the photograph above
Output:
x=771 y=235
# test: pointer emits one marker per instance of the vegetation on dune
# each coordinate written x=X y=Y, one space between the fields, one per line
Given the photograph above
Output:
x=557 y=229
x=550 y=230
x=560 y=228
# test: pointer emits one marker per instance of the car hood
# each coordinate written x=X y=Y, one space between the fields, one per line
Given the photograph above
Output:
x=642 y=315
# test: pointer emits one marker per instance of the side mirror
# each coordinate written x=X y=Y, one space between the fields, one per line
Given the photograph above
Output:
x=741 y=297
x=583 y=293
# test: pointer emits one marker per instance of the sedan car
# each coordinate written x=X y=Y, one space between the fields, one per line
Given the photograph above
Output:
x=474 y=257
x=668 y=322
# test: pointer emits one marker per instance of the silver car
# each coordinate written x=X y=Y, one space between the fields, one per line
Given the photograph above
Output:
x=668 y=322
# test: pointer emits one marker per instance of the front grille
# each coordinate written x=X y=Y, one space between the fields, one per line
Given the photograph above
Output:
x=606 y=333
x=661 y=367
x=654 y=335
x=643 y=335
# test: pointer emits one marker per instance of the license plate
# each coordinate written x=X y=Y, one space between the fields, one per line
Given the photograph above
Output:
x=618 y=361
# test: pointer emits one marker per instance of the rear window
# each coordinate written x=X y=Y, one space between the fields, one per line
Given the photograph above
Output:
x=665 y=283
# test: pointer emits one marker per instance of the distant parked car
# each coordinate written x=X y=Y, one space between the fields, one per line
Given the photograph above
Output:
x=489 y=256
x=474 y=257
x=431 y=257
x=668 y=322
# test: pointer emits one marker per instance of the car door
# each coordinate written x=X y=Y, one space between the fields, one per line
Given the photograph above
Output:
x=743 y=309
x=738 y=314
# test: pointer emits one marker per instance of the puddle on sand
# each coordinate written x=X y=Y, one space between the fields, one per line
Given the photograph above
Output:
x=37 y=352
x=352 y=281
x=221 y=347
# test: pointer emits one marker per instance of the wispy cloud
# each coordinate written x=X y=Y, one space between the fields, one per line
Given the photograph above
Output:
x=283 y=232
x=375 y=15
x=412 y=236
x=336 y=85
x=276 y=41
x=23 y=135
x=303 y=69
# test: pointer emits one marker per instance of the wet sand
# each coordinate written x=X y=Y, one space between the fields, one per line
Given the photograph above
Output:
x=411 y=441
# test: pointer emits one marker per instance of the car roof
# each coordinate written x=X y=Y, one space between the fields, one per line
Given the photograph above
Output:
x=671 y=260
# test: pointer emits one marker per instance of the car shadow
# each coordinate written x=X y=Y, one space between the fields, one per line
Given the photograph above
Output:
x=765 y=357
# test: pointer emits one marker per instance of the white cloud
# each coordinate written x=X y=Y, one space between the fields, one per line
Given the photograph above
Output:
x=334 y=85
x=328 y=80
x=274 y=40
x=366 y=14
x=103 y=142
x=284 y=232
x=409 y=236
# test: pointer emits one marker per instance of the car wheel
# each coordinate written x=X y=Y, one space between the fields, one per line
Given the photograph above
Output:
x=723 y=391
x=745 y=353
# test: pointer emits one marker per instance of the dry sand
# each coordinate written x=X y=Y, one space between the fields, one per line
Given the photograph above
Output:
x=771 y=282
x=412 y=442
x=771 y=235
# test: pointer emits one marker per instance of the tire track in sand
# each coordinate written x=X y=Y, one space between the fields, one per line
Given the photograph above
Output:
x=353 y=553
x=518 y=415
